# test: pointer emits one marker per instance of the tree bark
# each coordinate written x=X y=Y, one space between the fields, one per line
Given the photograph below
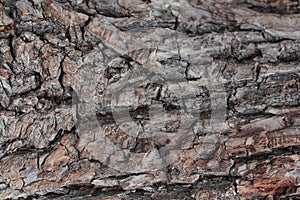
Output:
x=148 y=99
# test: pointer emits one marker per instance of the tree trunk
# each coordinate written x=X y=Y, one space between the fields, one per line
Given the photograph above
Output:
x=148 y=99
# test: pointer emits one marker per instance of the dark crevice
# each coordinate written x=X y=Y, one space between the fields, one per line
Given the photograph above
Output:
x=11 y=46
x=83 y=27
x=112 y=13
x=280 y=8
x=176 y=23
x=61 y=75
x=30 y=149
x=279 y=151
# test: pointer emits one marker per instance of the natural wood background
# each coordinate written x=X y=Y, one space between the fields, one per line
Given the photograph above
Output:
x=201 y=64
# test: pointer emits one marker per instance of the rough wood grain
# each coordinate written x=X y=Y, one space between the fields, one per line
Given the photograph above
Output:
x=149 y=99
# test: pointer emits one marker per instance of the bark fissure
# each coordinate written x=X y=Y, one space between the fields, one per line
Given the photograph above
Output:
x=174 y=99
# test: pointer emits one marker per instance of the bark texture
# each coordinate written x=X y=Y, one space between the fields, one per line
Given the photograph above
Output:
x=149 y=99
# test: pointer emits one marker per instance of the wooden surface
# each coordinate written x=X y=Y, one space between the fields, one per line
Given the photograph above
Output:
x=134 y=99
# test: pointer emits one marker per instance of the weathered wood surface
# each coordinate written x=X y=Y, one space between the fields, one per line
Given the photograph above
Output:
x=149 y=99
